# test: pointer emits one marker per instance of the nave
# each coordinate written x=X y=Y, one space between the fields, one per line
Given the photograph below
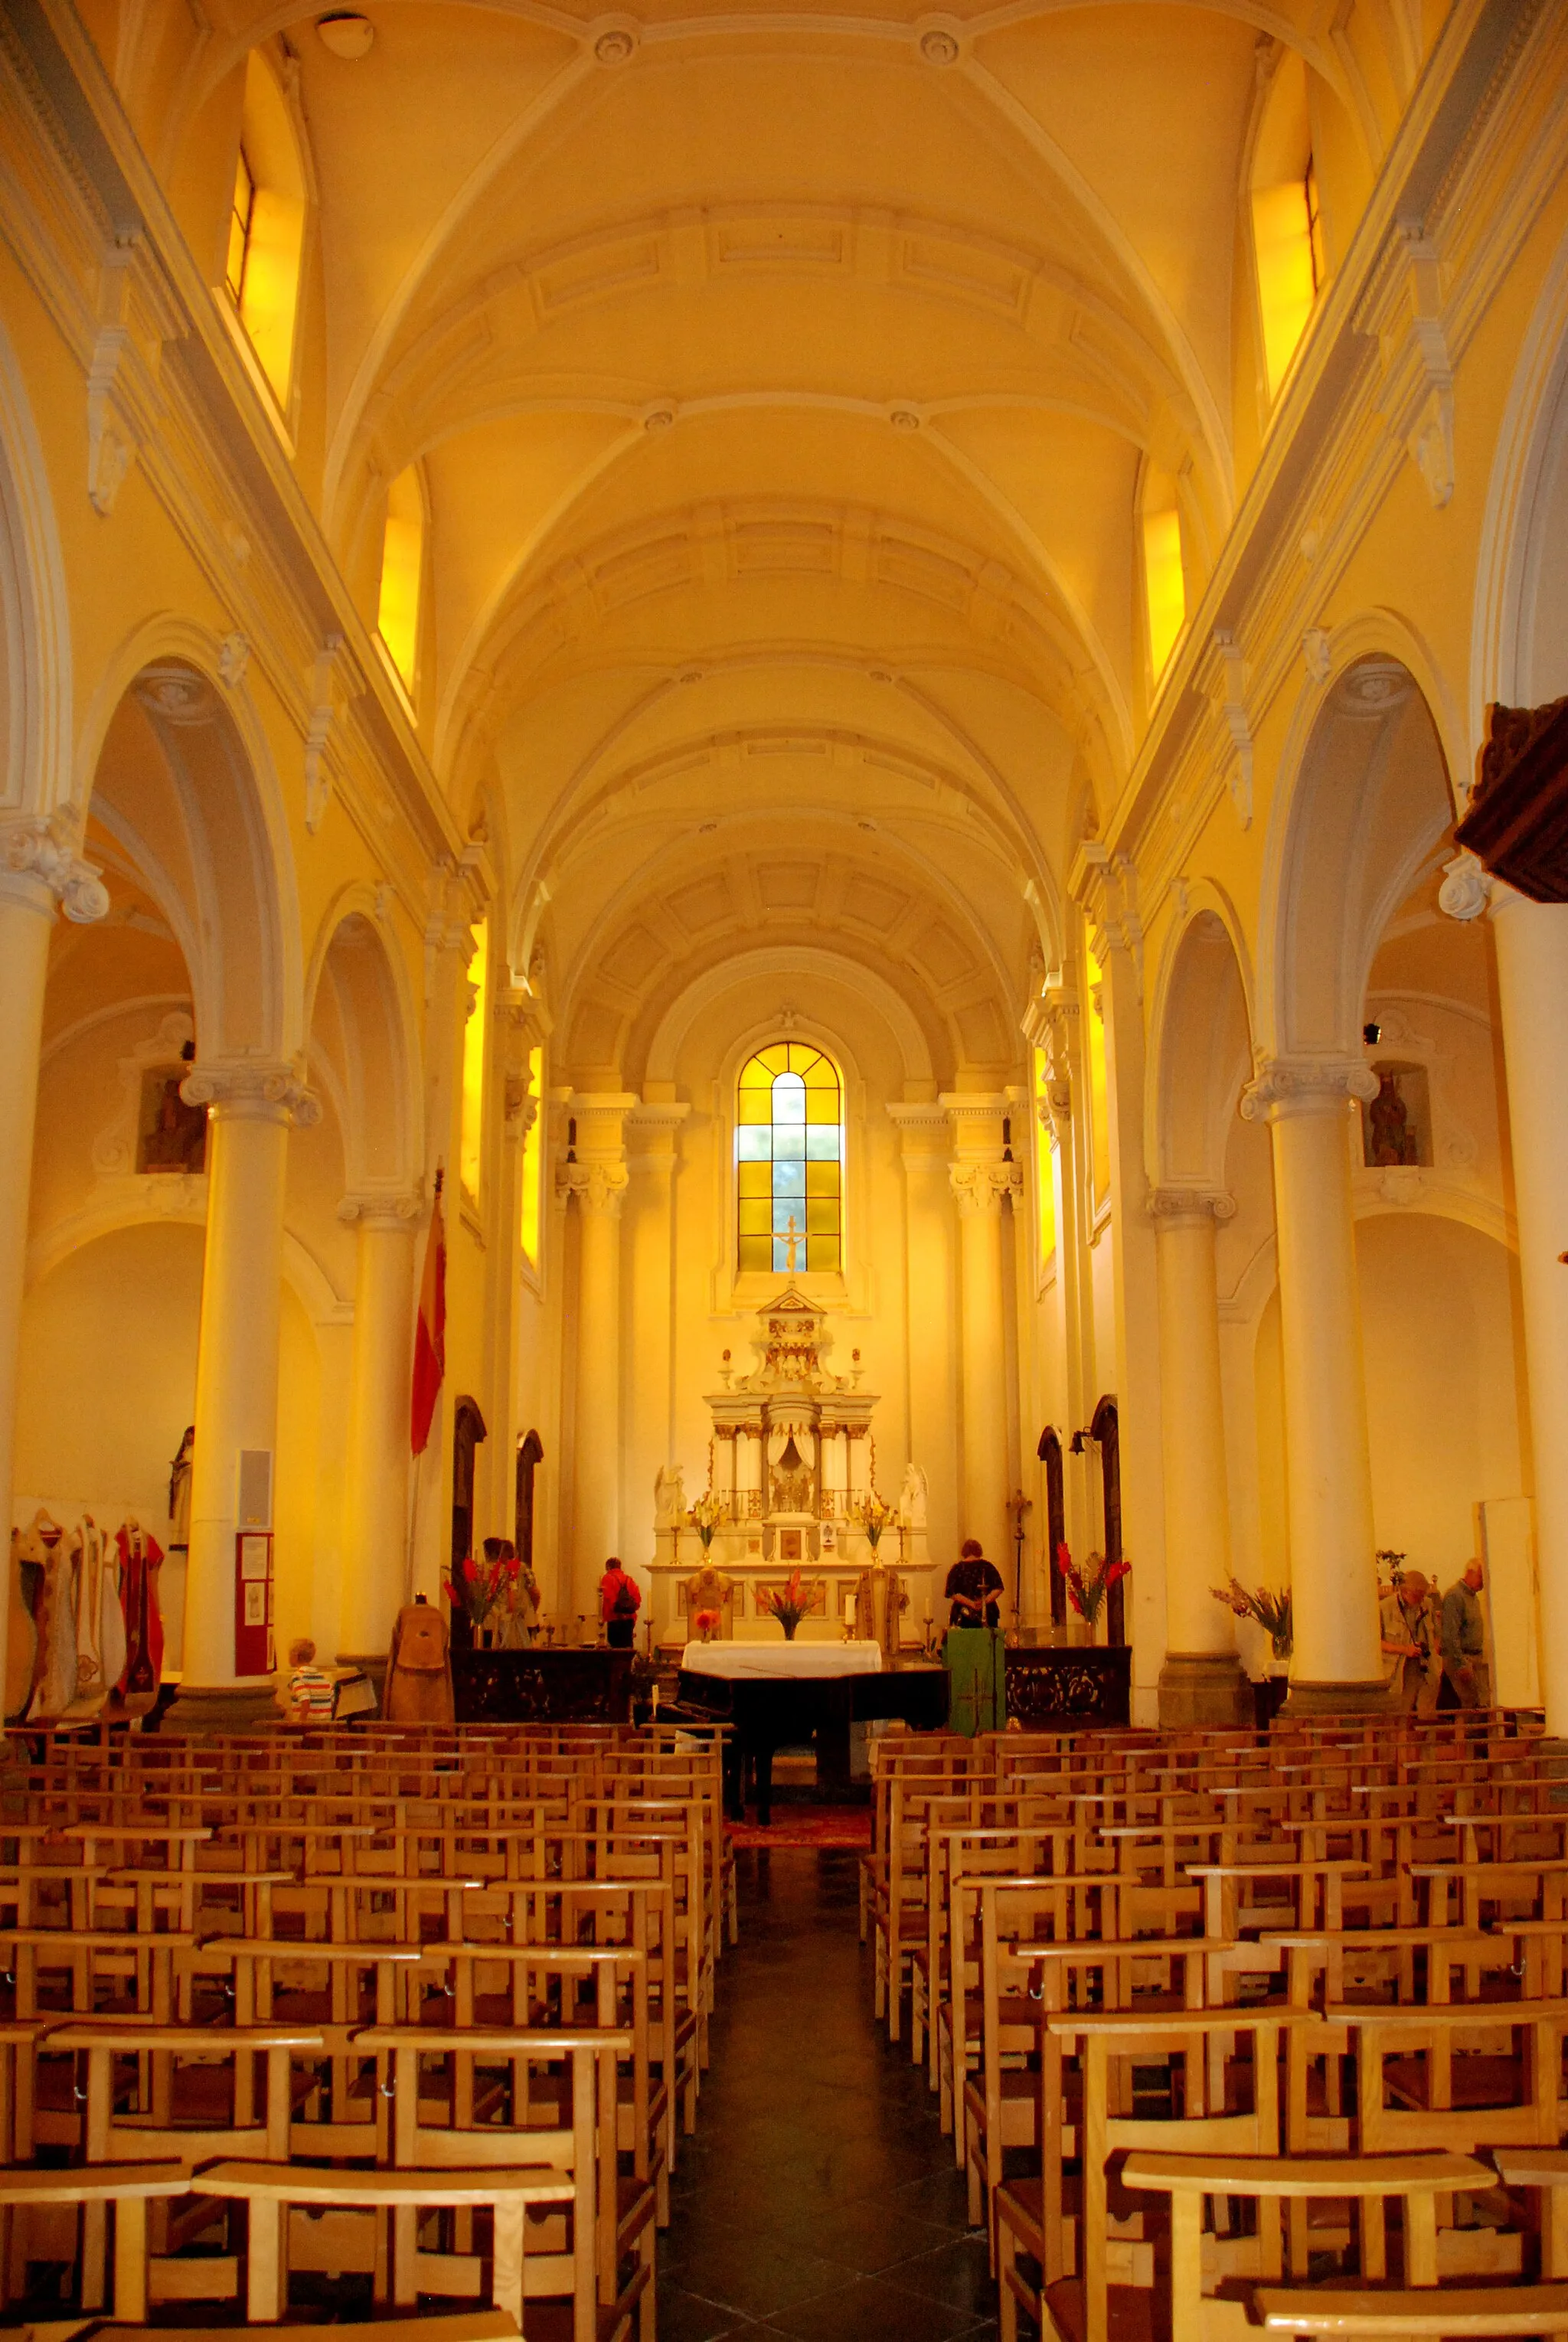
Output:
x=820 y=2198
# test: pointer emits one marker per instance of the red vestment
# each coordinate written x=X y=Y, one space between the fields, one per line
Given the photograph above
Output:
x=140 y=1556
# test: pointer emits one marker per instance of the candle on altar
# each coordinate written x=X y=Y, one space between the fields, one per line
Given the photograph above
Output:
x=849 y=1609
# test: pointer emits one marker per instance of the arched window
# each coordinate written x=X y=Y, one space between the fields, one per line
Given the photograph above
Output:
x=266 y=227
x=402 y=575
x=1288 y=241
x=789 y=1162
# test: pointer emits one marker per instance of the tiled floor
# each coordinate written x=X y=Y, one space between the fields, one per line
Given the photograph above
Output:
x=819 y=2199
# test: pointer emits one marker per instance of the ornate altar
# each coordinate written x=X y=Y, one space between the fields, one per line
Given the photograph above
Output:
x=793 y=1465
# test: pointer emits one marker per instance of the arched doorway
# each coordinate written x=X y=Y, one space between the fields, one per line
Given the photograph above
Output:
x=1050 y=1454
x=529 y=1456
x=1105 y=1430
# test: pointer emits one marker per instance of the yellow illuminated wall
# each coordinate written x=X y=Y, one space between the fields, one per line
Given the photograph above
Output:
x=472 y=1140
x=266 y=227
x=533 y=1146
x=1164 y=584
x=402 y=562
x=1283 y=237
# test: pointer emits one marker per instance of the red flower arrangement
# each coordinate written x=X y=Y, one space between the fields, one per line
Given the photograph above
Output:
x=787 y=1603
x=476 y=1586
x=1088 y=1588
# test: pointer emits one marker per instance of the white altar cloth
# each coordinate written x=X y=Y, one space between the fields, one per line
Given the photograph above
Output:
x=782 y=1658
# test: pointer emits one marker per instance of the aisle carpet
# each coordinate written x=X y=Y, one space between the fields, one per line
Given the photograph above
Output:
x=845 y=1827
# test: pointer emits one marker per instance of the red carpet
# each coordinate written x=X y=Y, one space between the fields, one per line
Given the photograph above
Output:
x=832 y=1826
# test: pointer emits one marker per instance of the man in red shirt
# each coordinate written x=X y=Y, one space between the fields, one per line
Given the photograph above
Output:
x=620 y=1599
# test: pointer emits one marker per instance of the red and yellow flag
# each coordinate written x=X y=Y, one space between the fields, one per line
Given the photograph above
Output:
x=430 y=1334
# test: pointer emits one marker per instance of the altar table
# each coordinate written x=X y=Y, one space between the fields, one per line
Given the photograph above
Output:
x=780 y=1695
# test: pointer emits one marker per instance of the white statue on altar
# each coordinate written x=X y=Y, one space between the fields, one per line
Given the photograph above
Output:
x=669 y=1497
x=911 y=1497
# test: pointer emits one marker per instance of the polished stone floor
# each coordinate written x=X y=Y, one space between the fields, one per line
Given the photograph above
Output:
x=818 y=2198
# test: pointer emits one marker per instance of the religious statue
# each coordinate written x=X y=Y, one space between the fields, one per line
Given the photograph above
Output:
x=177 y=1140
x=912 y=1498
x=669 y=1495
x=180 y=1493
x=791 y=1481
x=1391 y=1139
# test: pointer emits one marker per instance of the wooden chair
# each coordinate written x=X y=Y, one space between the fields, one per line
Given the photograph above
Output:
x=1414 y=2181
x=562 y=2114
x=1385 y=2317
x=129 y=2188
x=271 y=2196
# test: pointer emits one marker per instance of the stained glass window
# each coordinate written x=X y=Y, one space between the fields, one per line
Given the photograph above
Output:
x=789 y=1162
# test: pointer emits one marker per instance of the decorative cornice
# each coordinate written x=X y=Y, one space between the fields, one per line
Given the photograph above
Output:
x=45 y=852
x=247 y=1090
x=1303 y=1084
x=1176 y=1206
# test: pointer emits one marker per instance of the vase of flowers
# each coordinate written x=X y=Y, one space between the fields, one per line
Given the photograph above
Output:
x=874 y=1514
x=706 y=1517
x=706 y=1625
x=1088 y=1584
x=475 y=1586
x=787 y=1603
x=1269 y=1608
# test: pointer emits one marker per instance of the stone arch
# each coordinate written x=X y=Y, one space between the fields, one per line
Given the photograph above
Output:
x=174 y=762
x=34 y=620
x=1202 y=1022
x=357 y=962
x=1365 y=794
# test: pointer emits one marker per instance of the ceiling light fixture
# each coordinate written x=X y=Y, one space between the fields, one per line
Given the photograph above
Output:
x=346 y=35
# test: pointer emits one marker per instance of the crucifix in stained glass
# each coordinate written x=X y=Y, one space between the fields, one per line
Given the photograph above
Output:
x=789 y=1163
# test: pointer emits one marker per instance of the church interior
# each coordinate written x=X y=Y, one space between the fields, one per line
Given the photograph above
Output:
x=783 y=991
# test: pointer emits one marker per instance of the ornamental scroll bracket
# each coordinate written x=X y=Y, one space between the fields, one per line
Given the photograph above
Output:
x=1402 y=310
x=1223 y=679
x=32 y=847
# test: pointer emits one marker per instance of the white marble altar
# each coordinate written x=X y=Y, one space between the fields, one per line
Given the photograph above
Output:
x=731 y=1660
x=793 y=1464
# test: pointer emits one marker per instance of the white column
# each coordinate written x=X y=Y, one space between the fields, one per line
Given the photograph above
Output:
x=1307 y=1103
x=980 y=1180
x=376 y=1458
x=652 y=1131
x=597 y=1178
x=928 y=1298
x=1201 y=1680
x=1533 y=992
x=38 y=871
x=251 y=1109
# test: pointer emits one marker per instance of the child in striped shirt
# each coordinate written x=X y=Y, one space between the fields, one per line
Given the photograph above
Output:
x=310 y=1692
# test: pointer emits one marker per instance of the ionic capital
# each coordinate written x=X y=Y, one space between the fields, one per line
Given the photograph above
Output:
x=1302 y=1085
x=1176 y=1206
x=45 y=852
x=244 y=1089
x=981 y=1186
x=382 y=1212
x=1466 y=889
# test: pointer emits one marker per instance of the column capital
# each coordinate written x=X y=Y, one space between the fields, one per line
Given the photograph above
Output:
x=246 y=1089
x=1466 y=889
x=44 y=851
x=1290 y=1085
x=1178 y=1206
x=598 y=1187
x=981 y=1186
x=384 y=1211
